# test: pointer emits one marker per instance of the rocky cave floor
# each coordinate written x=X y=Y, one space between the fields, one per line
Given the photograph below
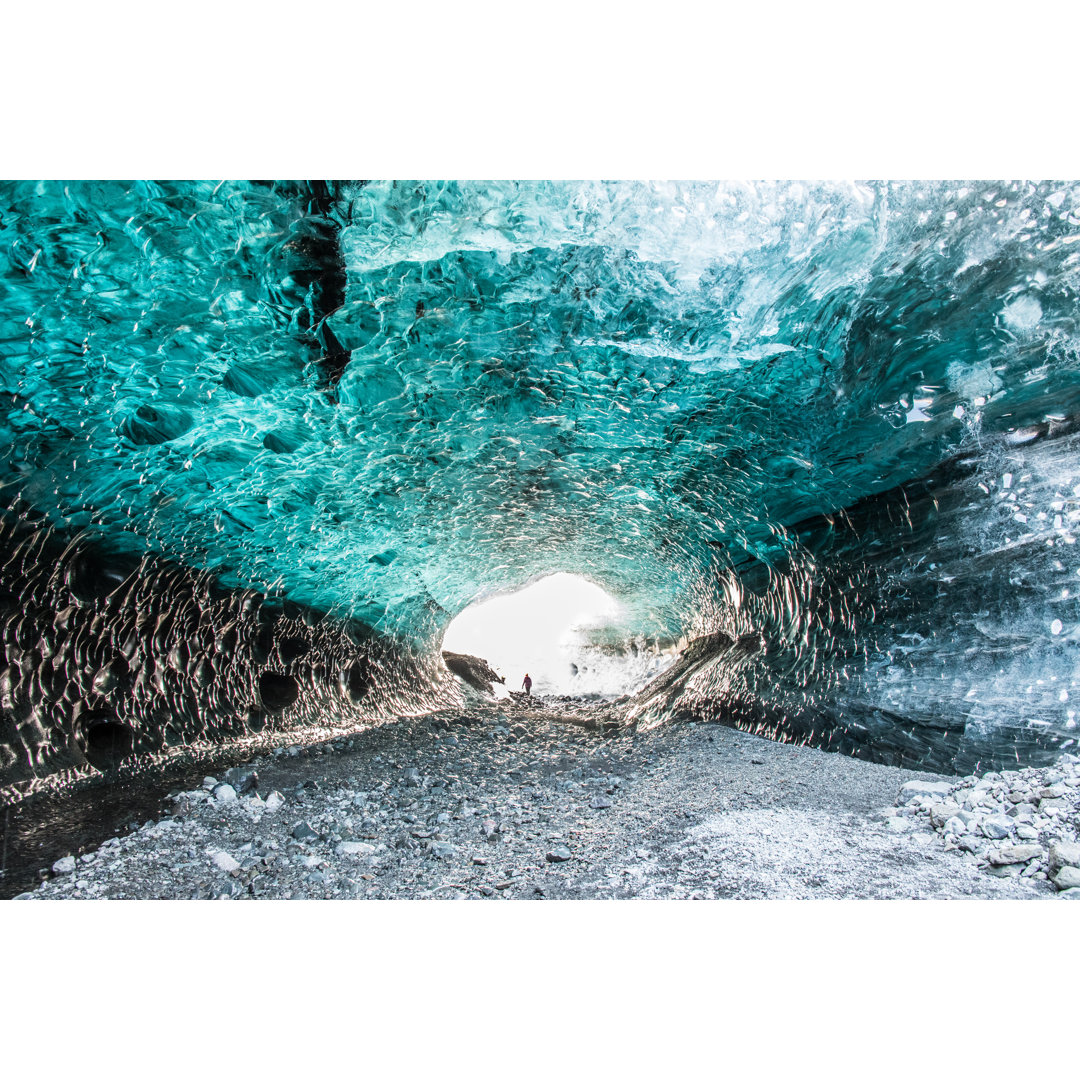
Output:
x=509 y=802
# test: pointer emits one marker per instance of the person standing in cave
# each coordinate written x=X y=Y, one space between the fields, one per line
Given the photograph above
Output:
x=527 y=685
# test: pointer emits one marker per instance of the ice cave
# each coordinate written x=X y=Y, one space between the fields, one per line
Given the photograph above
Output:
x=263 y=442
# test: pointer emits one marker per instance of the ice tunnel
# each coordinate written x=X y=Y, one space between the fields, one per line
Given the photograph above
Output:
x=263 y=441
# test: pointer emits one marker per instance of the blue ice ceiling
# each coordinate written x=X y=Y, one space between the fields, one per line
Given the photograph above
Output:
x=388 y=399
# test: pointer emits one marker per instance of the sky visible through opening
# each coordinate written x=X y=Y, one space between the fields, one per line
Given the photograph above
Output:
x=540 y=629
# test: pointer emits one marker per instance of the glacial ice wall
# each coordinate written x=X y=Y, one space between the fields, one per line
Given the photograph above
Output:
x=382 y=401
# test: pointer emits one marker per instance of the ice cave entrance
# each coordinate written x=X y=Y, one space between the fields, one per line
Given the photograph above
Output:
x=548 y=630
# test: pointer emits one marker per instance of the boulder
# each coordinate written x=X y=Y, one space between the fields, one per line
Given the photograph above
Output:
x=66 y=865
x=913 y=788
x=1068 y=877
x=1062 y=854
x=997 y=826
x=224 y=861
x=355 y=848
x=1014 y=853
x=941 y=812
x=243 y=779
x=1054 y=791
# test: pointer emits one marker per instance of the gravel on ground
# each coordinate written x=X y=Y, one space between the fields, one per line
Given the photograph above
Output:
x=505 y=801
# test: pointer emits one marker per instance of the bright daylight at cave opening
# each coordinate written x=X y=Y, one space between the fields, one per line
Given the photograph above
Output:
x=544 y=630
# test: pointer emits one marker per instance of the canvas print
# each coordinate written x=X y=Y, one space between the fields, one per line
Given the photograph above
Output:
x=539 y=540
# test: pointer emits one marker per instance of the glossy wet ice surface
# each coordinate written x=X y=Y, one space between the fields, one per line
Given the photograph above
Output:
x=840 y=419
x=630 y=380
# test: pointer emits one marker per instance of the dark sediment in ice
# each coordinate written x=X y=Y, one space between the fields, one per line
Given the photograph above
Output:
x=319 y=269
x=473 y=670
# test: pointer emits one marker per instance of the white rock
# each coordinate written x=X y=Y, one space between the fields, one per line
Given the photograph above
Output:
x=225 y=793
x=274 y=801
x=997 y=827
x=914 y=788
x=940 y=812
x=954 y=827
x=66 y=865
x=1068 y=877
x=1065 y=894
x=1014 y=853
x=224 y=861
x=1063 y=854
x=354 y=847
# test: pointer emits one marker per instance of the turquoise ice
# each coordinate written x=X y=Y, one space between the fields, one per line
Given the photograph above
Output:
x=656 y=385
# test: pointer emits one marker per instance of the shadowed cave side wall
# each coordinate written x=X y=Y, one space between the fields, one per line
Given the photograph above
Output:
x=106 y=657
x=932 y=626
